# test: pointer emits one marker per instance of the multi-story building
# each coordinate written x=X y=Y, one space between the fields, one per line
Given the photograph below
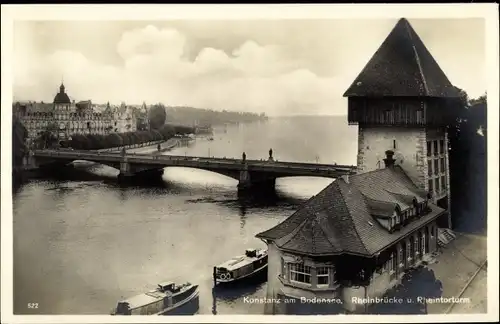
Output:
x=124 y=119
x=356 y=239
x=63 y=117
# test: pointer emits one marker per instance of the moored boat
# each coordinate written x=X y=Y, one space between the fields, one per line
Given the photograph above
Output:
x=254 y=262
x=166 y=298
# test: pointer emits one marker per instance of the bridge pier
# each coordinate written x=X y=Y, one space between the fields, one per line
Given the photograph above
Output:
x=255 y=182
x=143 y=177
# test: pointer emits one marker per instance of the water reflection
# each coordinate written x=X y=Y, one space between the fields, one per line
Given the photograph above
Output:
x=236 y=291
x=178 y=226
x=243 y=217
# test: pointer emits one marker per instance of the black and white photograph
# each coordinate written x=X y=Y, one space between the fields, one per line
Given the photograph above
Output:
x=271 y=161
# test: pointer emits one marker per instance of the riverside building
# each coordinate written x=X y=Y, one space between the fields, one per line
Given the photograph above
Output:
x=356 y=238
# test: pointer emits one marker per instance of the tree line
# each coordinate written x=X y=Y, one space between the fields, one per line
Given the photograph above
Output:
x=187 y=116
x=97 y=142
x=467 y=136
x=19 y=135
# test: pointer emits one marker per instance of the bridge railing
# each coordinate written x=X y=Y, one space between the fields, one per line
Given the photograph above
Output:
x=148 y=158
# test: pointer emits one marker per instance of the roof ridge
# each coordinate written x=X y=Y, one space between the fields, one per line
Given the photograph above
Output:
x=395 y=196
x=417 y=58
x=379 y=201
x=350 y=217
x=325 y=235
x=294 y=232
x=371 y=171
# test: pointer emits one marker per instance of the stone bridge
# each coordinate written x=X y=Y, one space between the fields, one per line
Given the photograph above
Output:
x=249 y=173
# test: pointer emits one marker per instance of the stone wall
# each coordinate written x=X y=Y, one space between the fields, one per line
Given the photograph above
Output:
x=408 y=145
x=273 y=270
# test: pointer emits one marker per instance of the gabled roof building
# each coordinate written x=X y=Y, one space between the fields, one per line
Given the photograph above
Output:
x=356 y=238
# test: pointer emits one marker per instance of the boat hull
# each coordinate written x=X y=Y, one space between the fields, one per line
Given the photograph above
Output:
x=187 y=306
x=257 y=275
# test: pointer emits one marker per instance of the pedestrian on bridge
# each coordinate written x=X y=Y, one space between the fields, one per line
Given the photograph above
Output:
x=244 y=156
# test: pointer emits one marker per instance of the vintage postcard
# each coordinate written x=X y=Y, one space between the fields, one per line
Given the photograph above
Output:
x=250 y=163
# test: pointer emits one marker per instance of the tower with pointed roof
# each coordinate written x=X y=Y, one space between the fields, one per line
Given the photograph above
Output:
x=61 y=99
x=400 y=102
x=357 y=238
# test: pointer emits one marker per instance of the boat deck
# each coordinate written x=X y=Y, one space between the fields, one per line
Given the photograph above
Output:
x=239 y=261
x=142 y=299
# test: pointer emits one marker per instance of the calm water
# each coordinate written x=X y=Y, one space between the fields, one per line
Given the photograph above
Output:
x=81 y=245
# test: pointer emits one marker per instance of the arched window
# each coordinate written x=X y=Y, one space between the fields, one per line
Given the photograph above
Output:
x=396 y=217
x=415 y=207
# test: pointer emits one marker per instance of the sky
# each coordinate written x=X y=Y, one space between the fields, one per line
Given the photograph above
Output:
x=280 y=67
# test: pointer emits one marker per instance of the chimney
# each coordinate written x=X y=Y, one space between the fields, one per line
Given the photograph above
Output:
x=345 y=177
x=389 y=161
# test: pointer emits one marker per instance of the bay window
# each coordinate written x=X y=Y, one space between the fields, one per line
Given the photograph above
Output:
x=300 y=273
x=323 y=275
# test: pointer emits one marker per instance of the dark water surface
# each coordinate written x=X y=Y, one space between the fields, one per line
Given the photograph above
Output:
x=81 y=245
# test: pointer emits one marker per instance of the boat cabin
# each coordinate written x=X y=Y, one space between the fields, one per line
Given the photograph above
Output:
x=123 y=308
x=251 y=253
x=166 y=286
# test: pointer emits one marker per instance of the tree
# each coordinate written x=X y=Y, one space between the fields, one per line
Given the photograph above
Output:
x=47 y=137
x=467 y=161
x=19 y=135
x=157 y=116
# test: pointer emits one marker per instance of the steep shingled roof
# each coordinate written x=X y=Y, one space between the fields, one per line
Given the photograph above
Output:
x=402 y=67
x=339 y=218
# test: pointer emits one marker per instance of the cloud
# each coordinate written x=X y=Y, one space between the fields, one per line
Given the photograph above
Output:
x=154 y=68
x=277 y=67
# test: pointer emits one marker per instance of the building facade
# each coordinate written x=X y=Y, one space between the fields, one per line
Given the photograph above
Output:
x=358 y=237
x=401 y=102
x=124 y=119
x=65 y=117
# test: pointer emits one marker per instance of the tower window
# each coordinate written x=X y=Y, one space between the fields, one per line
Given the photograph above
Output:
x=441 y=146
x=436 y=148
x=389 y=117
x=443 y=182
x=431 y=187
x=429 y=148
x=436 y=166
x=436 y=184
x=442 y=164
x=420 y=116
x=429 y=167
